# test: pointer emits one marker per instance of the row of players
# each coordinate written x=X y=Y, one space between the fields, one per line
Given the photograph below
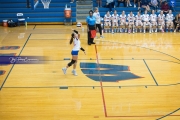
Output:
x=142 y=22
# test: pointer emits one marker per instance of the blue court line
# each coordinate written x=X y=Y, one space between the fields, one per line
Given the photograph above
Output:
x=150 y=72
x=14 y=64
x=168 y=114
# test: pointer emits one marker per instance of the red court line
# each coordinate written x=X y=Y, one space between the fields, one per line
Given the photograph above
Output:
x=102 y=91
x=103 y=98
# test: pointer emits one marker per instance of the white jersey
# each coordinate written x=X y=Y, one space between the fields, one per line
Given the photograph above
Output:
x=153 y=17
x=169 y=17
x=77 y=44
x=98 y=17
x=122 y=18
x=115 y=18
x=145 y=17
x=107 y=18
x=130 y=18
x=138 y=18
x=161 y=17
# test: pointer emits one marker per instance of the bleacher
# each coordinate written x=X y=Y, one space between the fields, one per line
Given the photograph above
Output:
x=119 y=9
x=55 y=13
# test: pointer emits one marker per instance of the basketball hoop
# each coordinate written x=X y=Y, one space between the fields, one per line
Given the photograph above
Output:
x=46 y=3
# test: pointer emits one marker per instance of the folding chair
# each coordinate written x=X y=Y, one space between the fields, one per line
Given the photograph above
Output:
x=21 y=19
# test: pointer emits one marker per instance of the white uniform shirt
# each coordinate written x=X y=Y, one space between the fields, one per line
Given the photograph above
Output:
x=98 y=17
x=169 y=17
x=145 y=17
x=130 y=18
x=153 y=17
x=161 y=17
x=139 y=18
x=77 y=44
x=107 y=18
x=115 y=17
x=122 y=18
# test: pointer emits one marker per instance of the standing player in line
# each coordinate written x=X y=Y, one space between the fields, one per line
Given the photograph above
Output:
x=115 y=18
x=130 y=19
x=153 y=18
x=77 y=46
x=107 y=22
x=146 y=22
x=169 y=21
x=122 y=19
x=161 y=23
x=139 y=22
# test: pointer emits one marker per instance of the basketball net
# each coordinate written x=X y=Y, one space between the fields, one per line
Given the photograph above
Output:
x=46 y=3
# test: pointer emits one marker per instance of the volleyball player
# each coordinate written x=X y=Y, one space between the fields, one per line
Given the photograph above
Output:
x=130 y=19
x=161 y=19
x=139 y=22
x=77 y=46
x=115 y=19
x=146 y=22
x=107 y=21
x=169 y=21
x=122 y=19
x=153 y=18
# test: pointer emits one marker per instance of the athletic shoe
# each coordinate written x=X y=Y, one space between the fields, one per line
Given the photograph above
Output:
x=64 y=70
x=101 y=36
x=74 y=72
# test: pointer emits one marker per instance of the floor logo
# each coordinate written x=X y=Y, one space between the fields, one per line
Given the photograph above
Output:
x=107 y=72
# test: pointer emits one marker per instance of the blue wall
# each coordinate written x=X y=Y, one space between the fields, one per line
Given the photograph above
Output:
x=55 y=13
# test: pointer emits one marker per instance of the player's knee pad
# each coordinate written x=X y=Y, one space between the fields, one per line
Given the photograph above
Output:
x=71 y=63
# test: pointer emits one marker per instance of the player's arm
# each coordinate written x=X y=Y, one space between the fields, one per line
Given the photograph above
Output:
x=83 y=50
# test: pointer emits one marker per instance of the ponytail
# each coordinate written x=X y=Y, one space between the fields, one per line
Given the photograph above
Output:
x=71 y=40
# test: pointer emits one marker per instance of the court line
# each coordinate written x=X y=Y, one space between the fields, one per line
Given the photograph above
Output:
x=169 y=114
x=150 y=72
x=104 y=97
x=48 y=39
x=14 y=64
x=34 y=27
x=145 y=48
x=102 y=91
x=97 y=86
